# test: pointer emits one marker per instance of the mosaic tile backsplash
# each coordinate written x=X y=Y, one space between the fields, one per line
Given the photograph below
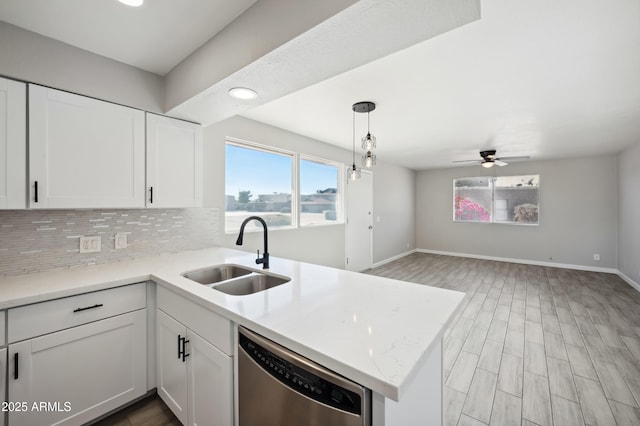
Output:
x=35 y=241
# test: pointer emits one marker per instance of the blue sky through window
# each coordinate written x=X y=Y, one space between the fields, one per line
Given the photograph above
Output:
x=265 y=173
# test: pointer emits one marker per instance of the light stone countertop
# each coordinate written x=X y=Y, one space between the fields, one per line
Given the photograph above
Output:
x=373 y=330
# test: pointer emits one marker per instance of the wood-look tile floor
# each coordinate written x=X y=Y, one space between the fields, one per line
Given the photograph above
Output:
x=530 y=346
x=150 y=411
x=533 y=345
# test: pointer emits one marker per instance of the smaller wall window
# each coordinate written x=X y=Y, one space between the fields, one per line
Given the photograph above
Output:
x=320 y=194
x=504 y=199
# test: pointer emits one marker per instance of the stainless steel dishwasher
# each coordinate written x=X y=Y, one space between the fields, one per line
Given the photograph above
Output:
x=277 y=387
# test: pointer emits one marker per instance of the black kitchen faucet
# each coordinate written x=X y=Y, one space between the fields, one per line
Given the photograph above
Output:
x=264 y=260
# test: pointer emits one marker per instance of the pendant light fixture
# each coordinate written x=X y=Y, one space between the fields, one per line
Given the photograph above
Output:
x=368 y=141
x=354 y=173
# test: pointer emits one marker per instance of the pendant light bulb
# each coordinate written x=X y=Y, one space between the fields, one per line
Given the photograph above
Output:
x=369 y=159
x=354 y=173
x=368 y=142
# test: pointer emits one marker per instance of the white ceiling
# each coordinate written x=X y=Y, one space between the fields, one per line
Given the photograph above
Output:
x=547 y=79
x=154 y=37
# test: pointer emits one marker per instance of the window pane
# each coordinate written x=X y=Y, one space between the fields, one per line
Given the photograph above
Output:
x=516 y=199
x=472 y=199
x=258 y=183
x=319 y=193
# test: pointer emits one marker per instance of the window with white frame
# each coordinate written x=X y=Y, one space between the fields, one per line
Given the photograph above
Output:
x=503 y=199
x=264 y=181
x=320 y=192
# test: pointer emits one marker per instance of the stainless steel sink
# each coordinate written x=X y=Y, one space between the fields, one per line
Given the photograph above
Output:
x=215 y=274
x=250 y=284
x=235 y=280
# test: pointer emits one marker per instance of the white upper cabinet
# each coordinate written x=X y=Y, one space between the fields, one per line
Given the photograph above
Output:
x=13 y=144
x=84 y=153
x=174 y=162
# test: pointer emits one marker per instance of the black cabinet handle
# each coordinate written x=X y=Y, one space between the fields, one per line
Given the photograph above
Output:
x=97 y=305
x=35 y=187
x=182 y=348
x=151 y=195
x=15 y=366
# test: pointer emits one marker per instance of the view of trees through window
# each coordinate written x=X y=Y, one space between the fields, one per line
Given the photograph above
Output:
x=503 y=199
x=259 y=181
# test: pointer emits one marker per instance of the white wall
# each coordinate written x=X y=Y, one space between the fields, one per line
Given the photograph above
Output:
x=30 y=57
x=628 y=213
x=394 y=189
x=578 y=214
x=394 y=204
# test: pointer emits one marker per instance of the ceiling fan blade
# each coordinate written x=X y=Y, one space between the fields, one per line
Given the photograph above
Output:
x=513 y=158
x=466 y=161
x=500 y=163
x=475 y=163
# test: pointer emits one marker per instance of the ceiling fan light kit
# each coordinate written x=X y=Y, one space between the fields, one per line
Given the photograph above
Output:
x=368 y=141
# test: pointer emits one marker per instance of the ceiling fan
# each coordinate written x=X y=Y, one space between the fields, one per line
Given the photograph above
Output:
x=489 y=159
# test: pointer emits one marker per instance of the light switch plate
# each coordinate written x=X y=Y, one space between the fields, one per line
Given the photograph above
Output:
x=92 y=244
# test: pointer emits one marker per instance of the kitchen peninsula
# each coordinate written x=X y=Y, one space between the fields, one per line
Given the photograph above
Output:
x=383 y=334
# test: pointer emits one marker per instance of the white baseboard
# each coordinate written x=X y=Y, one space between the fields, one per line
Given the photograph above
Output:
x=523 y=261
x=391 y=259
x=629 y=281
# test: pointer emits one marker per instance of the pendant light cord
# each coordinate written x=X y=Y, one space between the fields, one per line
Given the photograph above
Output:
x=354 y=137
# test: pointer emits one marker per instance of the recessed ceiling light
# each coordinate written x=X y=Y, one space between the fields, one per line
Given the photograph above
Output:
x=132 y=3
x=242 y=93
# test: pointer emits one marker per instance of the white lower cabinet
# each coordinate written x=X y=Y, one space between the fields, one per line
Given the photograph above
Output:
x=194 y=378
x=75 y=375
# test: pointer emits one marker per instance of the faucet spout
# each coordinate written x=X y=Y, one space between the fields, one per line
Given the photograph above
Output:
x=264 y=260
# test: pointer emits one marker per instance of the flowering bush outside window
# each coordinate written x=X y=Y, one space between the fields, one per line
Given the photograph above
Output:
x=503 y=199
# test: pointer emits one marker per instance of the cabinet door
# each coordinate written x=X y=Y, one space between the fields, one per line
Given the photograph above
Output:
x=13 y=145
x=84 y=153
x=171 y=377
x=78 y=374
x=210 y=383
x=174 y=162
x=3 y=377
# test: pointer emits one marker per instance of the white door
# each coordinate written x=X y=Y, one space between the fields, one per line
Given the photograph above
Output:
x=3 y=375
x=79 y=373
x=172 y=368
x=84 y=153
x=210 y=378
x=13 y=144
x=174 y=162
x=360 y=222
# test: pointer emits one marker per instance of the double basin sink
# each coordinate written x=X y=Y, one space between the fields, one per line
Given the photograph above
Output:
x=235 y=280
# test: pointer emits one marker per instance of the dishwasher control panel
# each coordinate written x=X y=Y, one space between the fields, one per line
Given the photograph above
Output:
x=302 y=380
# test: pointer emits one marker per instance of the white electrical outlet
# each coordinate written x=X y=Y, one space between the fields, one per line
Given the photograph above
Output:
x=121 y=241
x=92 y=244
x=596 y=257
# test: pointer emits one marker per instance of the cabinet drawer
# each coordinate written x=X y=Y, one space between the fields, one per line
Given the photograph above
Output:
x=46 y=317
x=214 y=328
